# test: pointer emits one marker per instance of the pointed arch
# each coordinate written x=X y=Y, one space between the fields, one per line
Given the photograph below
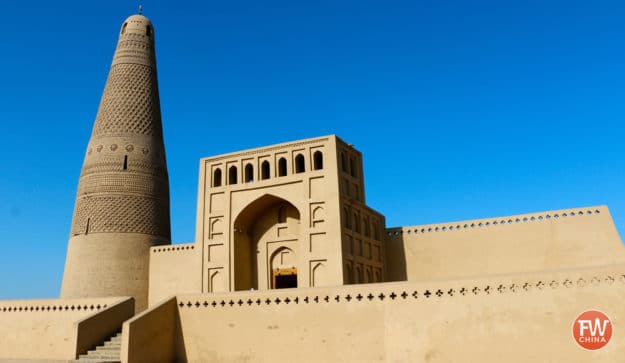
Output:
x=300 y=164
x=282 y=167
x=249 y=173
x=258 y=236
x=264 y=170
x=217 y=177
x=318 y=160
x=318 y=275
x=232 y=175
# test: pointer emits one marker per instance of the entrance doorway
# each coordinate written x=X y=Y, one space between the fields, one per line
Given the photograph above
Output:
x=284 y=278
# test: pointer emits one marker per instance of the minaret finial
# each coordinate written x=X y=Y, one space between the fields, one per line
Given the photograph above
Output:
x=140 y=9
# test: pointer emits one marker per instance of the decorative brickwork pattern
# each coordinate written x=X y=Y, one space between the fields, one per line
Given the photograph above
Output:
x=123 y=187
x=121 y=214
x=129 y=104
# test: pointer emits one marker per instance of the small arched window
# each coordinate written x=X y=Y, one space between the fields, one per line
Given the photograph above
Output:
x=376 y=231
x=124 y=28
x=232 y=175
x=249 y=173
x=282 y=167
x=217 y=177
x=367 y=227
x=299 y=164
x=264 y=170
x=358 y=275
x=346 y=218
x=318 y=160
x=148 y=31
x=356 y=223
x=352 y=167
x=350 y=274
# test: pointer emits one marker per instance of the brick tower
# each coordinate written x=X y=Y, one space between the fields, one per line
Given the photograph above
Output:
x=122 y=203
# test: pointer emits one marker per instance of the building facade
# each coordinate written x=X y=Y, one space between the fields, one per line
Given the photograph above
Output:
x=289 y=262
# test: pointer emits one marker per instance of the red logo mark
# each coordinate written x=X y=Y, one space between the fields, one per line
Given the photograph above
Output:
x=592 y=330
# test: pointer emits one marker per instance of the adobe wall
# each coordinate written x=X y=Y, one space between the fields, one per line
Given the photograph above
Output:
x=512 y=318
x=230 y=204
x=174 y=269
x=362 y=238
x=552 y=240
x=57 y=328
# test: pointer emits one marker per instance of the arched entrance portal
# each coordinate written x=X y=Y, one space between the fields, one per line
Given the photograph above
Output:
x=266 y=244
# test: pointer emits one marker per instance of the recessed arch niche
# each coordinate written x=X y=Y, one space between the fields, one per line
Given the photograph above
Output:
x=266 y=242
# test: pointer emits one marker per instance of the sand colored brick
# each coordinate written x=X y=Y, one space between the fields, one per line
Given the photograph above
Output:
x=290 y=263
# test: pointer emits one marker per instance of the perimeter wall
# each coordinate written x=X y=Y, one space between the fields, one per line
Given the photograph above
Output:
x=58 y=329
x=563 y=239
x=511 y=318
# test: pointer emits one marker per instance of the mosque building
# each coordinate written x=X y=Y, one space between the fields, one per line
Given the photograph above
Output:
x=290 y=263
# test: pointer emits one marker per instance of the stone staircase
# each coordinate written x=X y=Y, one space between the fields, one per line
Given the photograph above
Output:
x=107 y=352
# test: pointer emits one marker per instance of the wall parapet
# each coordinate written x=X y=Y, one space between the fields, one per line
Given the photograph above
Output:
x=59 y=327
x=497 y=221
x=392 y=291
x=151 y=336
x=404 y=321
x=174 y=248
x=98 y=326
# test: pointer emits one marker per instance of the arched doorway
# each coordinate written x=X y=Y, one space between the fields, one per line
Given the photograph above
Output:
x=283 y=269
x=266 y=244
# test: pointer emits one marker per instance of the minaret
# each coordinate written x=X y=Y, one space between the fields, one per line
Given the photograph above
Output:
x=122 y=203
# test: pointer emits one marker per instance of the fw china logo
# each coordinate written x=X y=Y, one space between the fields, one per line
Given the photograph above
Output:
x=592 y=330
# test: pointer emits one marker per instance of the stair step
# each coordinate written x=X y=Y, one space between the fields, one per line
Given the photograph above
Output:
x=101 y=357
x=108 y=348
x=107 y=352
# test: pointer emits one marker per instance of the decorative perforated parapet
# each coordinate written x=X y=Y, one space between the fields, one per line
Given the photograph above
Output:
x=379 y=292
x=485 y=223
x=399 y=293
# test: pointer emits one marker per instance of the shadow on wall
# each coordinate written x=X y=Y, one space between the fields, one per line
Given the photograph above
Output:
x=396 y=259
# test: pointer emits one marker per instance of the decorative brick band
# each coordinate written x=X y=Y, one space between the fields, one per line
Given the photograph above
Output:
x=173 y=248
x=403 y=294
x=51 y=308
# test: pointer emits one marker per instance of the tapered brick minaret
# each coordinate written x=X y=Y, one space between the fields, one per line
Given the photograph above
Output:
x=122 y=204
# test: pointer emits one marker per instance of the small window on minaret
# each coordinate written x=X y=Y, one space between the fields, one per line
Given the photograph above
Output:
x=126 y=162
x=124 y=28
x=148 y=31
x=87 y=227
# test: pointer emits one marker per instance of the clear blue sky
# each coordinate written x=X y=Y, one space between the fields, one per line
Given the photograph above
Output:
x=462 y=109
